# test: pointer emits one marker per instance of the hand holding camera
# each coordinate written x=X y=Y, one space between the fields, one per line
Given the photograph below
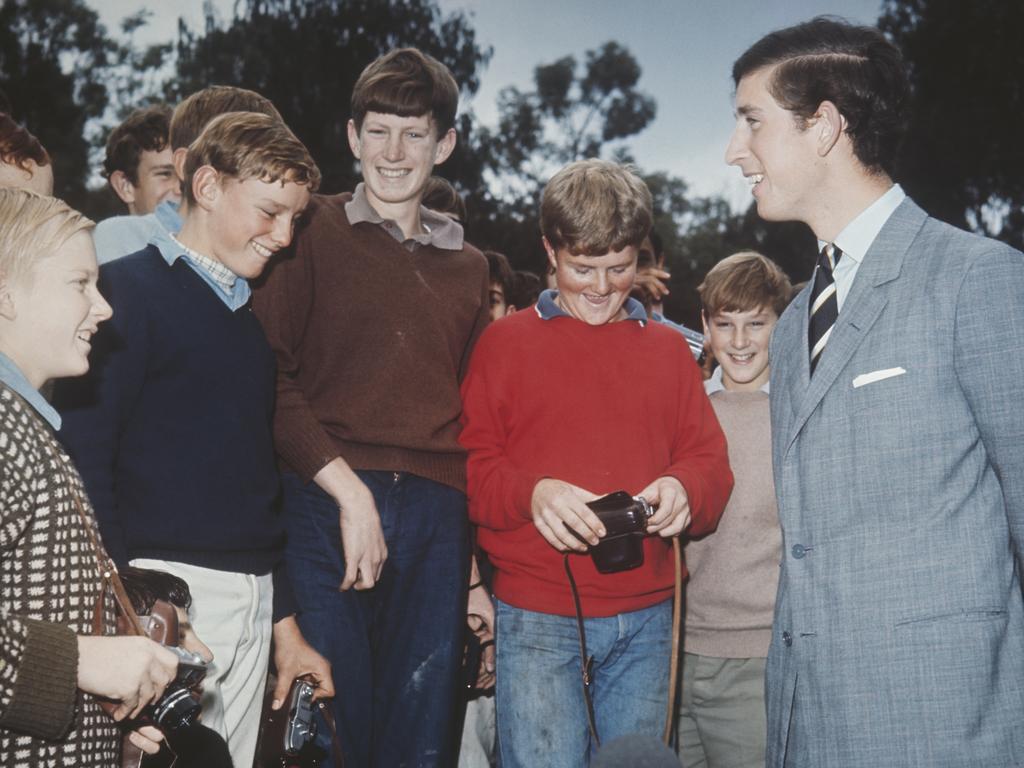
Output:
x=560 y=510
x=134 y=671
x=672 y=507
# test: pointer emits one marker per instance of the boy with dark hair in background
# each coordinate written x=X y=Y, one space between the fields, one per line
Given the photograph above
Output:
x=139 y=163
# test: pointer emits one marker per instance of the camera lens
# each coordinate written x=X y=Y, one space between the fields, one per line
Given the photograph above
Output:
x=175 y=709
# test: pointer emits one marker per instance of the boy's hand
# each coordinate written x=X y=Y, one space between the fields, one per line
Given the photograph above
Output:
x=132 y=670
x=558 y=506
x=653 y=281
x=673 y=507
x=294 y=657
x=362 y=538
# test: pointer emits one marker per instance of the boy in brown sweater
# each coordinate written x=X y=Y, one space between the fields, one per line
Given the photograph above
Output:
x=734 y=571
x=372 y=321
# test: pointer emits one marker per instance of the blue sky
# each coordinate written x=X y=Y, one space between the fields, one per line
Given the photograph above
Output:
x=685 y=48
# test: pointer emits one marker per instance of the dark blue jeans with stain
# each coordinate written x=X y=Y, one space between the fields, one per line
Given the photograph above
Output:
x=396 y=649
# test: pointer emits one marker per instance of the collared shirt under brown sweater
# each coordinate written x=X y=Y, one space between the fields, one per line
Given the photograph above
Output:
x=372 y=333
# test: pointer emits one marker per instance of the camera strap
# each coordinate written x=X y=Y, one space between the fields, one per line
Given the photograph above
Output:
x=586 y=662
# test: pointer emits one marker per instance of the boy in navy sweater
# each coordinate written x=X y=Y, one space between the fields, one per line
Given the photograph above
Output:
x=172 y=431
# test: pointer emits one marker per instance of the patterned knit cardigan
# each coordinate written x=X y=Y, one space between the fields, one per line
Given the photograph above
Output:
x=50 y=584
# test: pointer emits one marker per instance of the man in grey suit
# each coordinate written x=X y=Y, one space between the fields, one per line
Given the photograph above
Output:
x=898 y=433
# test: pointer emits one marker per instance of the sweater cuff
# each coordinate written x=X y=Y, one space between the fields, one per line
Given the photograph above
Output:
x=46 y=689
x=284 y=603
x=694 y=487
x=523 y=495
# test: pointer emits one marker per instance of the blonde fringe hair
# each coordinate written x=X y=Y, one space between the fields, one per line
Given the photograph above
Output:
x=32 y=227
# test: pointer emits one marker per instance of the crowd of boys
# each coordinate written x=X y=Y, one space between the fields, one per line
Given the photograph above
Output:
x=302 y=402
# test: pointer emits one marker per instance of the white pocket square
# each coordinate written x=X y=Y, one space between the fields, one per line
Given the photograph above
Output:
x=871 y=378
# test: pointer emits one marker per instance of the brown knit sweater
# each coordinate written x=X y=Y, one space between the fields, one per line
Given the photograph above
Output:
x=371 y=341
x=51 y=582
x=734 y=571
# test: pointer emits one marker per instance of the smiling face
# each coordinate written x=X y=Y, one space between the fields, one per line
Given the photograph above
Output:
x=397 y=155
x=593 y=288
x=51 y=311
x=249 y=221
x=157 y=182
x=779 y=158
x=739 y=342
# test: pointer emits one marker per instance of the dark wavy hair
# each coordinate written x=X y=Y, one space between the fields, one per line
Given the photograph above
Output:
x=144 y=130
x=854 y=67
x=408 y=83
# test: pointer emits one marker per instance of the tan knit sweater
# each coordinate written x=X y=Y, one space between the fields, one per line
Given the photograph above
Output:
x=734 y=571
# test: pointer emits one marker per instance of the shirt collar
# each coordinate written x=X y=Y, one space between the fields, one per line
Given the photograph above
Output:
x=714 y=383
x=857 y=236
x=168 y=216
x=442 y=232
x=171 y=250
x=12 y=376
x=547 y=308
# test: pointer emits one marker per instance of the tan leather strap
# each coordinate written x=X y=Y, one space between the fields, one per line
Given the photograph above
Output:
x=677 y=621
x=587 y=663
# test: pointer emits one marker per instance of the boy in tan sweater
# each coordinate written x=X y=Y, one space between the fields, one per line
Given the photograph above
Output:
x=734 y=571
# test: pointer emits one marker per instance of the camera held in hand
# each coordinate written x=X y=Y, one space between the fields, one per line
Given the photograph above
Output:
x=178 y=707
x=625 y=521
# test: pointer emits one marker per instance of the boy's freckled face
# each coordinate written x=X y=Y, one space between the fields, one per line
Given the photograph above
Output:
x=739 y=342
x=594 y=288
x=252 y=220
x=397 y=155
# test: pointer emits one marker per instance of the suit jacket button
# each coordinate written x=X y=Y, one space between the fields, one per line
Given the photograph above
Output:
x=799 y=550
x=787 y=639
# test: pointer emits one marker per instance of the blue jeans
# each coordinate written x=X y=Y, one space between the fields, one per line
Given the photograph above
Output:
x=542 y=716
x=396 y=649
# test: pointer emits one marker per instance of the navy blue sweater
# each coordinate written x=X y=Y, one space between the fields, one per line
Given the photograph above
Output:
x=171 y=428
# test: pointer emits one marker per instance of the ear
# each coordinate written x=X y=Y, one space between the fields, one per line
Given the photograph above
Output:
x=704 y=323
x=828 y=126
x=550 y=252
x=122 y=187
x=353 y=139
x=7 y=309
x=178 y=158
x=445 y=147
x=206 y=187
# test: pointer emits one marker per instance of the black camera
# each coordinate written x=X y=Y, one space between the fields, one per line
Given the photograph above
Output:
x=625 y=521
x=178 y=708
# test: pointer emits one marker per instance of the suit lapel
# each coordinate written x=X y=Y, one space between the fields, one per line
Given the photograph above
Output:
x=867 y=298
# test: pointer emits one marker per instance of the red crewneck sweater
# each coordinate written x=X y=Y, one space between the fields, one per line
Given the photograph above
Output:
x=609 y=407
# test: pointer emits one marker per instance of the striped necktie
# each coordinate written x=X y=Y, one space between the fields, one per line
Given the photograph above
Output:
x=824 y=304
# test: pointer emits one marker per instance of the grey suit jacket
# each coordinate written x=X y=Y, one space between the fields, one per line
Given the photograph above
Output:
x=899 y=627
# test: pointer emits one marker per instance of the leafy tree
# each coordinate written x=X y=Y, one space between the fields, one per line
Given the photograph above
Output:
x=52 y=57
x=305 y=56
x=574 y=111
x=962 y=160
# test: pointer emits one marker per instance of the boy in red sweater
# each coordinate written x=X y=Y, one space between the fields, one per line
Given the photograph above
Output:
x=578 y=398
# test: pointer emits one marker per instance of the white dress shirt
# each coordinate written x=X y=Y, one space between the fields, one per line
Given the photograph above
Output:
x=857 y=237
